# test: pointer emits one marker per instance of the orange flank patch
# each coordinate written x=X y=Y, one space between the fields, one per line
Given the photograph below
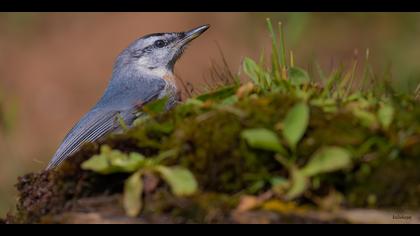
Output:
x=169 y=77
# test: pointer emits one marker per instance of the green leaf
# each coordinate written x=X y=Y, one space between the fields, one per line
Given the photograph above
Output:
x=181 y=180
x=194 y=102
x=97 y=163
x=275 y=53
x=219 y=94
x=332 y=80
x=278 y=181
x=164 y=127
x=261 y=138
x=132 y=199
x=366 y=118
x=258 y=75
x=142 y=118
x=255 y=187
x=386 y=115
x=327 y=159
x=230 y=100
x=121 y=122
x=128 y=163
x=295 y=124
x=298 y=76
x=282 y=49
x=251 y=69
x=113 y=161
x=300 y=183
x=156 y=106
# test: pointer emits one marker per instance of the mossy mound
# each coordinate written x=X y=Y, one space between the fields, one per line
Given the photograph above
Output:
x=206 y=137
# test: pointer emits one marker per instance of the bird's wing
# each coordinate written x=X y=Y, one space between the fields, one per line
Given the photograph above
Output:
x=102 y=119
x=91 y=127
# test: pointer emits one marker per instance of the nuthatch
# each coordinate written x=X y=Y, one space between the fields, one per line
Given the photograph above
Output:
x=143 y=72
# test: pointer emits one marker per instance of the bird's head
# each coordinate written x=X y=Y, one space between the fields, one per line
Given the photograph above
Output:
x=156 y=54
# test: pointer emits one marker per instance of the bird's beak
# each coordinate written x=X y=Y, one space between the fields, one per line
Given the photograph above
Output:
x=192 y=34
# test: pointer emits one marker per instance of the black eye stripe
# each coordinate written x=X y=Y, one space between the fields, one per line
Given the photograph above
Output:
x=137 y=53
x=140 y=52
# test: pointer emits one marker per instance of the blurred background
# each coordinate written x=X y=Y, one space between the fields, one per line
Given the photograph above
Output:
x=54 y=66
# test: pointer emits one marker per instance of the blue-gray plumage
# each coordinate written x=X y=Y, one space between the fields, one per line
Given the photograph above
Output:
x=142 y=73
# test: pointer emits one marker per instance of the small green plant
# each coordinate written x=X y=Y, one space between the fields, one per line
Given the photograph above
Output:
x=109 y=161
x=326 y=159
x=287 y=77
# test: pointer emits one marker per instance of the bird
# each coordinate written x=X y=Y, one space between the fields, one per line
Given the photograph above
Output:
x=142 y=73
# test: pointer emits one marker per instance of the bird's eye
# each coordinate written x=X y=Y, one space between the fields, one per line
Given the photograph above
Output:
x=160 y=43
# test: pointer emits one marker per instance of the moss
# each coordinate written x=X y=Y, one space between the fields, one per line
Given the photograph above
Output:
x=394 y=184
x=52 y=192
x=207 y=140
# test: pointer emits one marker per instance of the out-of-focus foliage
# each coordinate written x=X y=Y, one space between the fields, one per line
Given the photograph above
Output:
x=8 y=114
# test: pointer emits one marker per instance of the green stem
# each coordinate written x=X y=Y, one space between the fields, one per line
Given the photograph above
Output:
x=283 y=62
